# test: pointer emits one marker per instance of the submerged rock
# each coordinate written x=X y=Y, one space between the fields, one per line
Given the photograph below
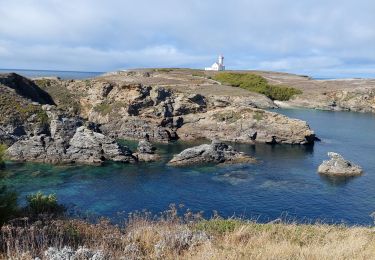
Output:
x=216 y=152
x=338 y=166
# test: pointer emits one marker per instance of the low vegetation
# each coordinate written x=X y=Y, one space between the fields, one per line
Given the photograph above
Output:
x=64 y=98
x=15 y=109
x=106 y=108
x=258 y=115
x=37 y=204
x=256 y=83
x=40 y=203
x=3 y=149
x=172 y=235
x=8 y=205
x=164 y=70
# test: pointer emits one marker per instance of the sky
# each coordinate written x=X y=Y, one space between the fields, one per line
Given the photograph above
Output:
x=330 y=38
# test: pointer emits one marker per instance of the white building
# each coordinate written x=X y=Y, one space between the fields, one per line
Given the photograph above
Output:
x=218 y=66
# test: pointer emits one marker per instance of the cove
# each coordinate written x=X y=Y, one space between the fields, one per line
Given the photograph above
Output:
x=283 y=183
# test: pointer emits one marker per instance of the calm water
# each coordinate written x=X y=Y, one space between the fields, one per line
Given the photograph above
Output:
x=53 y=73
x=283 y=183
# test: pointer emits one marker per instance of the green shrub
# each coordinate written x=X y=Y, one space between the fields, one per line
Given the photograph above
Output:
x=256 y=83
x=8 y=204
x=218 y=225
x=39 y=203
x=163 y=70
x=64 y=98
x=282 y=93
x=42 y=117
x=258 y=115
x=104 y=108
x=3 y=149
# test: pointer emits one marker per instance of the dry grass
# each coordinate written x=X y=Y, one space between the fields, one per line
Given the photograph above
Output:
x=190 y=237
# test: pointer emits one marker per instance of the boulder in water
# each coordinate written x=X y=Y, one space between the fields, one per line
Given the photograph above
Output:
x=216 y=152
x=338 y=166
x=146 y=151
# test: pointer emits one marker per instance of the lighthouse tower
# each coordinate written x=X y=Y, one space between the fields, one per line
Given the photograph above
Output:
x=221 y=60
x=219 y=65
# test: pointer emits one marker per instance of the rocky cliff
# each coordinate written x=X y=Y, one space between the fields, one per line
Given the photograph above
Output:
x=44 y=133
x=126 y=107
x=67 y=121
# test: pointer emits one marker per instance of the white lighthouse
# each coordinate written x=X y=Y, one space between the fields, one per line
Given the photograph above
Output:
x=219 y=65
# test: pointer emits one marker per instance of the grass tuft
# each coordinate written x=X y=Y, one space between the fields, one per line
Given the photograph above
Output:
x=40 y=203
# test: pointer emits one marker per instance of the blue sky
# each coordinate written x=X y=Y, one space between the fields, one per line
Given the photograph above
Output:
x=331 y=38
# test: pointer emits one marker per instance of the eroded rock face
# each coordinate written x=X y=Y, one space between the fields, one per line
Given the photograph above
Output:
x=246 y=125
x=216 y=152
x=130 y=109
x=338 y=166
x=89 y=146
x=166 y=116
x=68 y=141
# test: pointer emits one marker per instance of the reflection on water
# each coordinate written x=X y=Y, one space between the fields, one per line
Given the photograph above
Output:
x=285 y=179
x=337 y=180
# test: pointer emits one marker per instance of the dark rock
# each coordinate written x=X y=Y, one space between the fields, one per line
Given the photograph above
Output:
x=159 y=95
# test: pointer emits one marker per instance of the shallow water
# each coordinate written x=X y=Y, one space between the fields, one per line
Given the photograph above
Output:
x=283 y=183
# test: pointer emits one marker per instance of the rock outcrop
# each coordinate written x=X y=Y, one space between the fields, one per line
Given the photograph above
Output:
x=131 y=106
x=216 y=152
x=68 y=140
x=132 y=110
x=146 y=151
x=338 y=166
x=355 y=94
x=246 y=125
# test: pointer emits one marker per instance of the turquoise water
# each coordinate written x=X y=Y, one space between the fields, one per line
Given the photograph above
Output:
x=283 y=184
x=53 y=73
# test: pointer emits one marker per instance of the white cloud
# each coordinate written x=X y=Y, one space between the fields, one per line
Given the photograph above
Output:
x=269 y=34
x=91 y=59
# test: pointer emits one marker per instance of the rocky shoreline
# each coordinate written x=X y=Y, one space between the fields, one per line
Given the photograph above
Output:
x=79 y=121
x=68 y=140
x=357 y=95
